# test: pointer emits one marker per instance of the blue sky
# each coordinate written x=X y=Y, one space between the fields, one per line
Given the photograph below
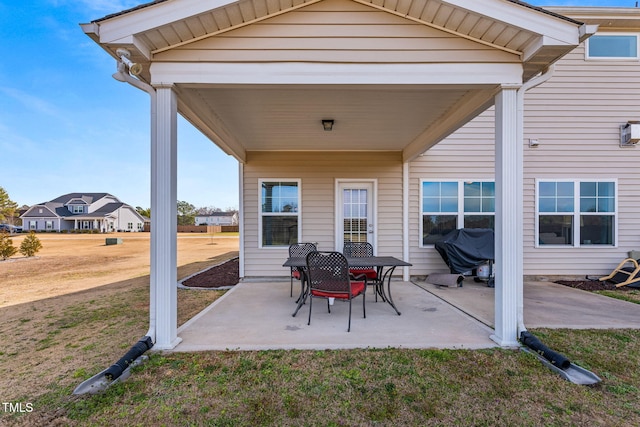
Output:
x=67 y=126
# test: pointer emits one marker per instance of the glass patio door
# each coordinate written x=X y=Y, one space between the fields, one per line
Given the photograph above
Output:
x=355 y=220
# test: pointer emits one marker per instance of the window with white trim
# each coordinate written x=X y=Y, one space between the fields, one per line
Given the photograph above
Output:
x=448 y=205
x=612 y=46
x=279 y=212
x=576 y=213
x=77 y=209
x=48 y=225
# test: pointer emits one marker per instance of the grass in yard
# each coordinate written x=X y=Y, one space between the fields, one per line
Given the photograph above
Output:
x=362 y=387
x=630 y=296
x=52 y=345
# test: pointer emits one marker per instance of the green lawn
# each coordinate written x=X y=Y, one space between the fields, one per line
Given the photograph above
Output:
x=390 y=387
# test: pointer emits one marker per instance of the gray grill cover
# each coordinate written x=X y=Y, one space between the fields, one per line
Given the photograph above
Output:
x=466 y=248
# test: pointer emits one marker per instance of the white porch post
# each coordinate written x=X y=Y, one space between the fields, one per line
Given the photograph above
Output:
x=163 y=220
x=509 y=214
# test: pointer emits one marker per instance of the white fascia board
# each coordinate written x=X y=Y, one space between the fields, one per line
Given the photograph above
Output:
x=360 y=74
x=543 y=42
x=522 y=17
x=144 y=19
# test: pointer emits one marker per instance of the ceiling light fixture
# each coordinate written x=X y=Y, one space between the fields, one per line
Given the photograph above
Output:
x=327 y=124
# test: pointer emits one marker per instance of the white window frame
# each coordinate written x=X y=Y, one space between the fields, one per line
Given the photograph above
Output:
x=261 y=214
x=576 y=213
x=48 y=225
x=460 y=213
x=77 y=208
x=616 y=58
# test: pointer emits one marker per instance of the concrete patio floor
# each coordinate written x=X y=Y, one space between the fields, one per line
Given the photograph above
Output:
x=257 y=316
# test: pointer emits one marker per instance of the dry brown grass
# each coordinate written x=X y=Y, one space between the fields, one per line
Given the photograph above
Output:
x=53 y=306
x=54 y=342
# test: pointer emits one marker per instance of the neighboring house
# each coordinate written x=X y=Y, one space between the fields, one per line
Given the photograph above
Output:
x=395 y=122
x=83 y=211
x=218 y=218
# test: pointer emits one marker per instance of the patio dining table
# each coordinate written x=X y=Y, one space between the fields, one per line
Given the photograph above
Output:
x=384 y=265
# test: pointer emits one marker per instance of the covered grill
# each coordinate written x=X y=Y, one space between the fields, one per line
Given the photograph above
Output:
x=466 y=249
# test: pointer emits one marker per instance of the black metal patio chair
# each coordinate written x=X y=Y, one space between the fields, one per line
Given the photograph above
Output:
x=329 y=277
x=361 y=250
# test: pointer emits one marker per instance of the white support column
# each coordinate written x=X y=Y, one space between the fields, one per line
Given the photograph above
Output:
x=405 y=219
x=509 y=215
x=241 y=217
x=164 y=214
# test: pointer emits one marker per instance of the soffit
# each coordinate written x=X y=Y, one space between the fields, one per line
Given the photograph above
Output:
x=438 y=14
x=276 y=118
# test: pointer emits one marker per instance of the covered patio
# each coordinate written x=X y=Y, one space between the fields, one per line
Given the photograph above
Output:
x=259 y=77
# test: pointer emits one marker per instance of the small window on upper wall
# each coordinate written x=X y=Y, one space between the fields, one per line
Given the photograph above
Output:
x=613 y=46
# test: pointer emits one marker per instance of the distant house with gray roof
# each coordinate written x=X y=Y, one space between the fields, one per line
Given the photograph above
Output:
x=83 y=211
x=217 y=218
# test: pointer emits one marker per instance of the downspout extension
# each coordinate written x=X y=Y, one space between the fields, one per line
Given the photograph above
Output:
x=553 y=360
x=534 y=82
x=120 y=370
x=124 y=74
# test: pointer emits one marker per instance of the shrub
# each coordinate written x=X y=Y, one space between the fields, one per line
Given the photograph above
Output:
x=6 y=246
x=30 y=245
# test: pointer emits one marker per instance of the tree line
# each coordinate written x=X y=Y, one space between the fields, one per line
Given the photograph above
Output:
x=187 y=212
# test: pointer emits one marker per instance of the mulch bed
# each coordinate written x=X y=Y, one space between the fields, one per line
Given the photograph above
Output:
x=223 y=275
x=227 y=274
x=594 y=285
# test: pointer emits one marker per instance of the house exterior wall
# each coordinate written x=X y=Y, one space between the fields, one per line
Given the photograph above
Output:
x=337 y=31
x=127 y=215
x=318 y=172
x=575 y=117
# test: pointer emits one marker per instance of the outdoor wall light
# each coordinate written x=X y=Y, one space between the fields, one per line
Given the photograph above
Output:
x=327 y=124
x=125 y=57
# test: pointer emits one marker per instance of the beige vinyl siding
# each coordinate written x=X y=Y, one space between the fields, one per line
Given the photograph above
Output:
x=337 y=31
x=576 y=117
x=318 y=172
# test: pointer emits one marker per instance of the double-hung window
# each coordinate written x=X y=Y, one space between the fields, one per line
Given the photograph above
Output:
x=279 y=212
x=612 y=46
x=576 y=213
x=448 y=205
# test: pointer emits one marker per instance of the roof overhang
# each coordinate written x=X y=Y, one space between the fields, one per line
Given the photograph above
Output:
x=266 y=105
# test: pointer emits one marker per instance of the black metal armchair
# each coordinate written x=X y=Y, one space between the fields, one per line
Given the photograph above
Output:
x=329 y=277
x=361 y=250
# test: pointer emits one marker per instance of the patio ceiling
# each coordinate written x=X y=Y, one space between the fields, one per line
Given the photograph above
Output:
x=271 y=117
x=403 y=116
